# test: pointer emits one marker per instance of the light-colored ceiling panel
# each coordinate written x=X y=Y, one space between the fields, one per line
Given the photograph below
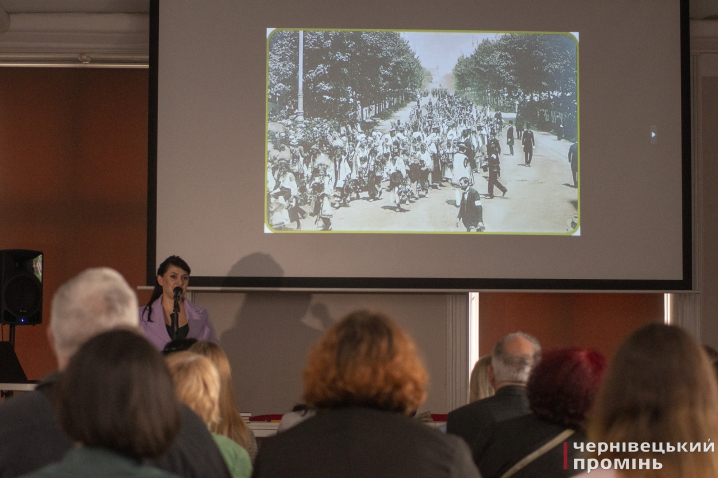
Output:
x=76 y=6
x=81 y=33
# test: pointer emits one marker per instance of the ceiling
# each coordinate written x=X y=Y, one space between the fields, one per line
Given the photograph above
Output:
x=74 y=32
x=87 y=33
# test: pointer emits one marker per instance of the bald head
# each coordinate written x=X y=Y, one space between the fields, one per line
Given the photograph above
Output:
x=517 y=346
x=92 y=302
x=513 y=358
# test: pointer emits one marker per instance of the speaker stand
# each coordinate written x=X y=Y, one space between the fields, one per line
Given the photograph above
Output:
x=10 y=369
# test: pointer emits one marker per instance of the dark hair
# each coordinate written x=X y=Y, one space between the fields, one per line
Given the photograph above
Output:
x=117 y=393
x=176 y=261
x=365 y=360
x=563 y=385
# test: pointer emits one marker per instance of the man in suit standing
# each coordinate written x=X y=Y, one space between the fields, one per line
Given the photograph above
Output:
x=512 y=360
x=470 y=209
x=510 y=137
x=573 y=159
x=494 y=174
x=528 y=143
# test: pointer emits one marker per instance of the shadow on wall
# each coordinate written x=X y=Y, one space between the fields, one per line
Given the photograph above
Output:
x=268 y=343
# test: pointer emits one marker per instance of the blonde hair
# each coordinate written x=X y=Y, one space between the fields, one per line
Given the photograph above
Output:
x=197 y=384
x=230 y=424
x=659 y=388
x=479 y=385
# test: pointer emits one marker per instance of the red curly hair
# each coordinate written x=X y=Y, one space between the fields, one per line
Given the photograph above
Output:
x=365 y=360
x=563 y=385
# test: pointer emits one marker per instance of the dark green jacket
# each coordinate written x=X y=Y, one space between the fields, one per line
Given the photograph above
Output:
x=95 y=462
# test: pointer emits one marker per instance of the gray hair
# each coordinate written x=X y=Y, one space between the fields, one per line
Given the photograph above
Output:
x=512 y=367
x=95 y=301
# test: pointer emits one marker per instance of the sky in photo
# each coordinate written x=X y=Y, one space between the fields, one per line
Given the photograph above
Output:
x=441 y=50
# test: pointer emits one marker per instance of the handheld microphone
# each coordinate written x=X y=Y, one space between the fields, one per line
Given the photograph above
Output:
x=174 y=316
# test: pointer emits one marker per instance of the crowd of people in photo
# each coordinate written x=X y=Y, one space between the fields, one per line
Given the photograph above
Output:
x=136 y=399
x=316 y=167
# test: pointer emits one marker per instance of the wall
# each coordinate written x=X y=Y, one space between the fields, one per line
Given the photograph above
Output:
x=267 y=339
x=597 y=321
x=709 y=153
x=704 y=82
x=73 y=175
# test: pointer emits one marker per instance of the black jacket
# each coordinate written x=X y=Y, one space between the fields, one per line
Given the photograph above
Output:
x=31 y=437
x=363 y=442
x=472 y=419
x=508 y=442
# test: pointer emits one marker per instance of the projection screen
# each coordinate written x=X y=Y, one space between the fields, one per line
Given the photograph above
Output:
x=421 y=145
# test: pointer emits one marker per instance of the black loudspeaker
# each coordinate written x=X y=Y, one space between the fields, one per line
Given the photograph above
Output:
x=20 y=287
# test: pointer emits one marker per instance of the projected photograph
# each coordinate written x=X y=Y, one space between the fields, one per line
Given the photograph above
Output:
x=422 y=132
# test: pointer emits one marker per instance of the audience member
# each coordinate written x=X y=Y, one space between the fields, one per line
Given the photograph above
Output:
x=512 y=360
x=116 y=400
x=198 y=385
x=365 y=378
x=231 y=424
x=479 y=383
x=111 y=410
x=560 y=392
x=660 y=388
x=299 y=413
x=93 y=302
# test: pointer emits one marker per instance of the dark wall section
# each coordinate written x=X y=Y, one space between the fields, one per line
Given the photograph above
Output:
x=598 y=321
x=709 y=224
x=73 y=179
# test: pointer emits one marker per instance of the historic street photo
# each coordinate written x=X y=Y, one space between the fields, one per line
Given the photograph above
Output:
x=422 y=132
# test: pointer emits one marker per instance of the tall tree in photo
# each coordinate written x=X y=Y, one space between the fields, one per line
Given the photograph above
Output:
x=283 y=60
x=535 y=70
x=342 y=70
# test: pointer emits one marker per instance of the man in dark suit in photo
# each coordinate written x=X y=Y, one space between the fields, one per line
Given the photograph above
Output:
x=512 y=360
x=470 y=209
x=494 y=174
x=510 y=137
x=528 y=143
x=573 y=159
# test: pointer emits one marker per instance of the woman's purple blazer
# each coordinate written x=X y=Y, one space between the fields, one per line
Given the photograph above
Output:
x=200 y=327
